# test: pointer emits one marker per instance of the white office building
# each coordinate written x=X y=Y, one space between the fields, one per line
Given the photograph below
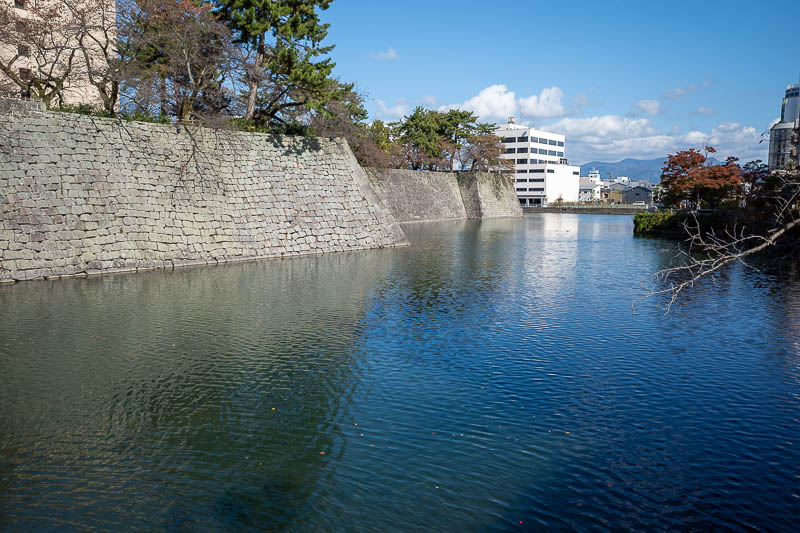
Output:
x=783 y=136
x=541 y=171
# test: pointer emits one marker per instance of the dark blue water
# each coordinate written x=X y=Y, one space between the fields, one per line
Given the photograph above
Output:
x=492 y=376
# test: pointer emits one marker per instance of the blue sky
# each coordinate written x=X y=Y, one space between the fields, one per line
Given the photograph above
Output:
x=620 y=78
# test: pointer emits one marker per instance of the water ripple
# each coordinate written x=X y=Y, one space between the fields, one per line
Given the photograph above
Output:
x=489 y=377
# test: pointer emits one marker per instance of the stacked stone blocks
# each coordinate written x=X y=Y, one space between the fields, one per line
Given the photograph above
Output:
x=414 y=196
x=81 y=195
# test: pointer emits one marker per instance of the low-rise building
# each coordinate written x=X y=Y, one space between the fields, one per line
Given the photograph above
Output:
x=542 y=172
x=613 y=192
x=589 y=191
x=637 y=194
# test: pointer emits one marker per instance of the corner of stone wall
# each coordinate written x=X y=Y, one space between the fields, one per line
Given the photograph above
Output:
x=487 y=195
x=396 y=235
x=498 y=195
x=468 y=186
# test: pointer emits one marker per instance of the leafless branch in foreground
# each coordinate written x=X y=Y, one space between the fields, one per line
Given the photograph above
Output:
x=774 y=216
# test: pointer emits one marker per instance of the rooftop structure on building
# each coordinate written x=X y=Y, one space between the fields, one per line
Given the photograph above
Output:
x=542 y=172
x=784 y=137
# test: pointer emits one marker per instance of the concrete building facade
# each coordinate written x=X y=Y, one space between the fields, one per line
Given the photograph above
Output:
x=589 y=191
x=783 y=136
x=64 y=49
x=637 y=194
x=542 y=172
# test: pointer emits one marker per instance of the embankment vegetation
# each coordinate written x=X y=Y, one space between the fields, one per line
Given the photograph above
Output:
x=253 y=65
x=725 y=213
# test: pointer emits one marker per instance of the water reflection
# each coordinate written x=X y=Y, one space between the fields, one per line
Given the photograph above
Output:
x=129 y=383
x=489 y=374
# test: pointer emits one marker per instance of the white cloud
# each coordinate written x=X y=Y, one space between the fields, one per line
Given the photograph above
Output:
x=612 y=138
x=390 y=54
x=695 y=138
x=494 y=102
x=428 y=101
x=733 y=138
x=602 y=128
x=546 y=105
x=650 y=107
x=583 y=100
x=399 y=109
x=703 y=111
x=677 y=93
x=402 y=107
x=497 y=102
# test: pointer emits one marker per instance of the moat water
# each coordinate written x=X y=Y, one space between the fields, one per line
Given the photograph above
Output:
x=492 y=376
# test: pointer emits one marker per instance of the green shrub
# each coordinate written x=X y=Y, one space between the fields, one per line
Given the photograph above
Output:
x=644 y=222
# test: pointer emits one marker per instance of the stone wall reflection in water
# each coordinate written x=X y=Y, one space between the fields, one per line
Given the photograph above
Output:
x=491 y=373
x=213 y=384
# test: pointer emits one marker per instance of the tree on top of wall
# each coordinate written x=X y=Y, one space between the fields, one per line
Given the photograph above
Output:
x=284 y=69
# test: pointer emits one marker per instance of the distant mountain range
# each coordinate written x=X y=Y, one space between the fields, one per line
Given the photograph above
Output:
x=640 y=169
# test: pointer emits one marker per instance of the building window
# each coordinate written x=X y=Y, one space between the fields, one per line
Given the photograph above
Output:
x=551 y=152
x=560 y=154
x=560 y=143
x=522 y=161
x=522 y=189
x=550 y=171
x=537 y=189
x=522 y=180
x=510 y=150
x=534 y=151
x=509 y=139
x=522 y=139
x=551 y=142
x=537 y=180
x=576 y=173
x=537 y=171
x=542 y=140
x=522 y=150
x=522 y=171
x=534 y=139
x=19 y=4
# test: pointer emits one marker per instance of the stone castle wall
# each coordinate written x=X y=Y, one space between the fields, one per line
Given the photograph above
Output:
x=81 y=195
x=414 y=196
x=491 y=195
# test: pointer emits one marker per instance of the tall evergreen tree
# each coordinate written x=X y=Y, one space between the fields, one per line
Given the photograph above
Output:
x=285 y=68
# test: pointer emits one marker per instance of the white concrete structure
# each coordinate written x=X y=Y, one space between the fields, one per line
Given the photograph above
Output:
x=783 y=136
x=588 y=190
x=51 y=51
x=541 y=170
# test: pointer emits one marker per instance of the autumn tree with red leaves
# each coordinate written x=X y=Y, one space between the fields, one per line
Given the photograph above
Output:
x=691 y=180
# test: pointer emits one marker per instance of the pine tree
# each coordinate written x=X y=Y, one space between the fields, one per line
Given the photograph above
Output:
x=286 y=70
